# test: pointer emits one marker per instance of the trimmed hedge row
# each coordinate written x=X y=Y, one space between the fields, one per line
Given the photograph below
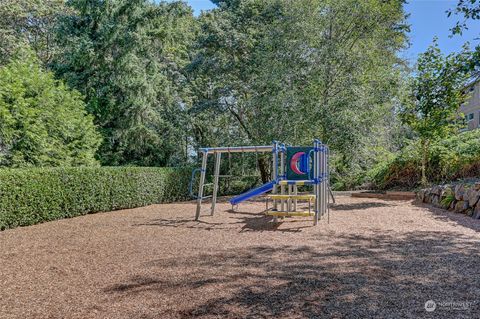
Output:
x=34 y=195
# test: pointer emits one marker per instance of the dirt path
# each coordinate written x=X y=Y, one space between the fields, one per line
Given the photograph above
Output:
x=375 y=259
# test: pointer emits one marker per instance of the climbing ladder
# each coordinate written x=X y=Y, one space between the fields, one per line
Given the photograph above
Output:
x=291 y=201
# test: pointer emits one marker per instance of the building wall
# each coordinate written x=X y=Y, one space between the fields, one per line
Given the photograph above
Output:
x=472 y=106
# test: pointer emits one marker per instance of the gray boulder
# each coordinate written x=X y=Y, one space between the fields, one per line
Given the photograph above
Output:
x=469 y=212
x=473 y=196
x=452 y=205
x=461 y=206
x=459 y=192
x=435 y=200
x=428 y=198
x=437 y=190
x=421 y=195
x=476 y=213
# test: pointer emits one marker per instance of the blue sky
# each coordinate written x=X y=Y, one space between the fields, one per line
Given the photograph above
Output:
x=427 y=19
x=199 y=5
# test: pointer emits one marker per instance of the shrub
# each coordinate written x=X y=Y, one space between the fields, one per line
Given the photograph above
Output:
x=448 y=198
x=453 y=158
x=34 y=195
x=42 y=121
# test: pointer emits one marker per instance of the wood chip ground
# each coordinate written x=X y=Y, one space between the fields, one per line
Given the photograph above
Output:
x=375 y=259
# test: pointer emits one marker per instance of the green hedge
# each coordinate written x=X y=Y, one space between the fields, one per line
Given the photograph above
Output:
x=34 y=195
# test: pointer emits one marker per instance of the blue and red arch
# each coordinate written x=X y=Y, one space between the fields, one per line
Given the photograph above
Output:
x=298 y=163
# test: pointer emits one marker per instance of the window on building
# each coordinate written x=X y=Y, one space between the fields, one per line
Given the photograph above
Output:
x=470 y=117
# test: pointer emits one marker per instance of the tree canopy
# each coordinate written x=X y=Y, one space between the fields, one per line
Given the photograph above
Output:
x=27 y=23
x=432 y=109
x=295 y=70
x=42 y=122
x=159 y=82
x=468 y=10
x=126 y=57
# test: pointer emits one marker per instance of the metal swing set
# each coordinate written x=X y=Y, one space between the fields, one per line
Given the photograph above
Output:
x=243 y=174
x=291 y=167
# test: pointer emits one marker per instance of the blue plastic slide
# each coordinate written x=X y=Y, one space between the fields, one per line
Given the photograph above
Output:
x=252 y=193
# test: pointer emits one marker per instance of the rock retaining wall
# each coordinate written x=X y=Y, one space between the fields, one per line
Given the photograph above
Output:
x=460 y=198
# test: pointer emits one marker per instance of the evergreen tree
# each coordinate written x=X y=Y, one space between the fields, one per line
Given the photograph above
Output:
x=127 y=58
x=27 y=23
x=42 y=121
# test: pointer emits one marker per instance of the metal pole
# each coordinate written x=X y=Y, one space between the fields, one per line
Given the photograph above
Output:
x=275 y=171
x=324 y=179
x=328 y=182
x=202 y=182
x=315 y=185
x=295 y=192
x=289 y=201
x=320 y=185
x=316 y=173
x=218 y=157
x=282 y=173
x=238 y=149
x=322 y=176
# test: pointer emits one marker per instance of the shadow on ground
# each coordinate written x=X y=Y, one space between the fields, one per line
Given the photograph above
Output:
x=449 y=216
x=257 y=222
x=184 y=223
x=247 y=219
x=350 y=276
x=360 y=206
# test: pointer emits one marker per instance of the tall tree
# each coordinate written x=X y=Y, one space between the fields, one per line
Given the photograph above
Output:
x=29 y=23
x=42 y=121
x=127 y=58
x=437 y=92
x=295 y=70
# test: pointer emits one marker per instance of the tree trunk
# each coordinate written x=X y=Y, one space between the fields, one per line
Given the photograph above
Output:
x=425 y=147
x=263 y=167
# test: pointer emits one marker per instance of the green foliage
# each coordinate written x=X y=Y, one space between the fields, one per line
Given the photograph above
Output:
x=469 y=9
x=127 y=58
x=453 y=158
x=294 y=70
x=436 y=94
x=42 y=121
x=448 y=198
x=159 y=82
x=29 y=23
x=34 y=195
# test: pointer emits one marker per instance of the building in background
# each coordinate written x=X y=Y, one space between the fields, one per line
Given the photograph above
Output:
x=471 y=108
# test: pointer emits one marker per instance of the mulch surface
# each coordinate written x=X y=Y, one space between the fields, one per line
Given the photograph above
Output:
x=375 y=259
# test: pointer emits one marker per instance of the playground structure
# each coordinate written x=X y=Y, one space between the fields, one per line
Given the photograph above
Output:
x=291 y=167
